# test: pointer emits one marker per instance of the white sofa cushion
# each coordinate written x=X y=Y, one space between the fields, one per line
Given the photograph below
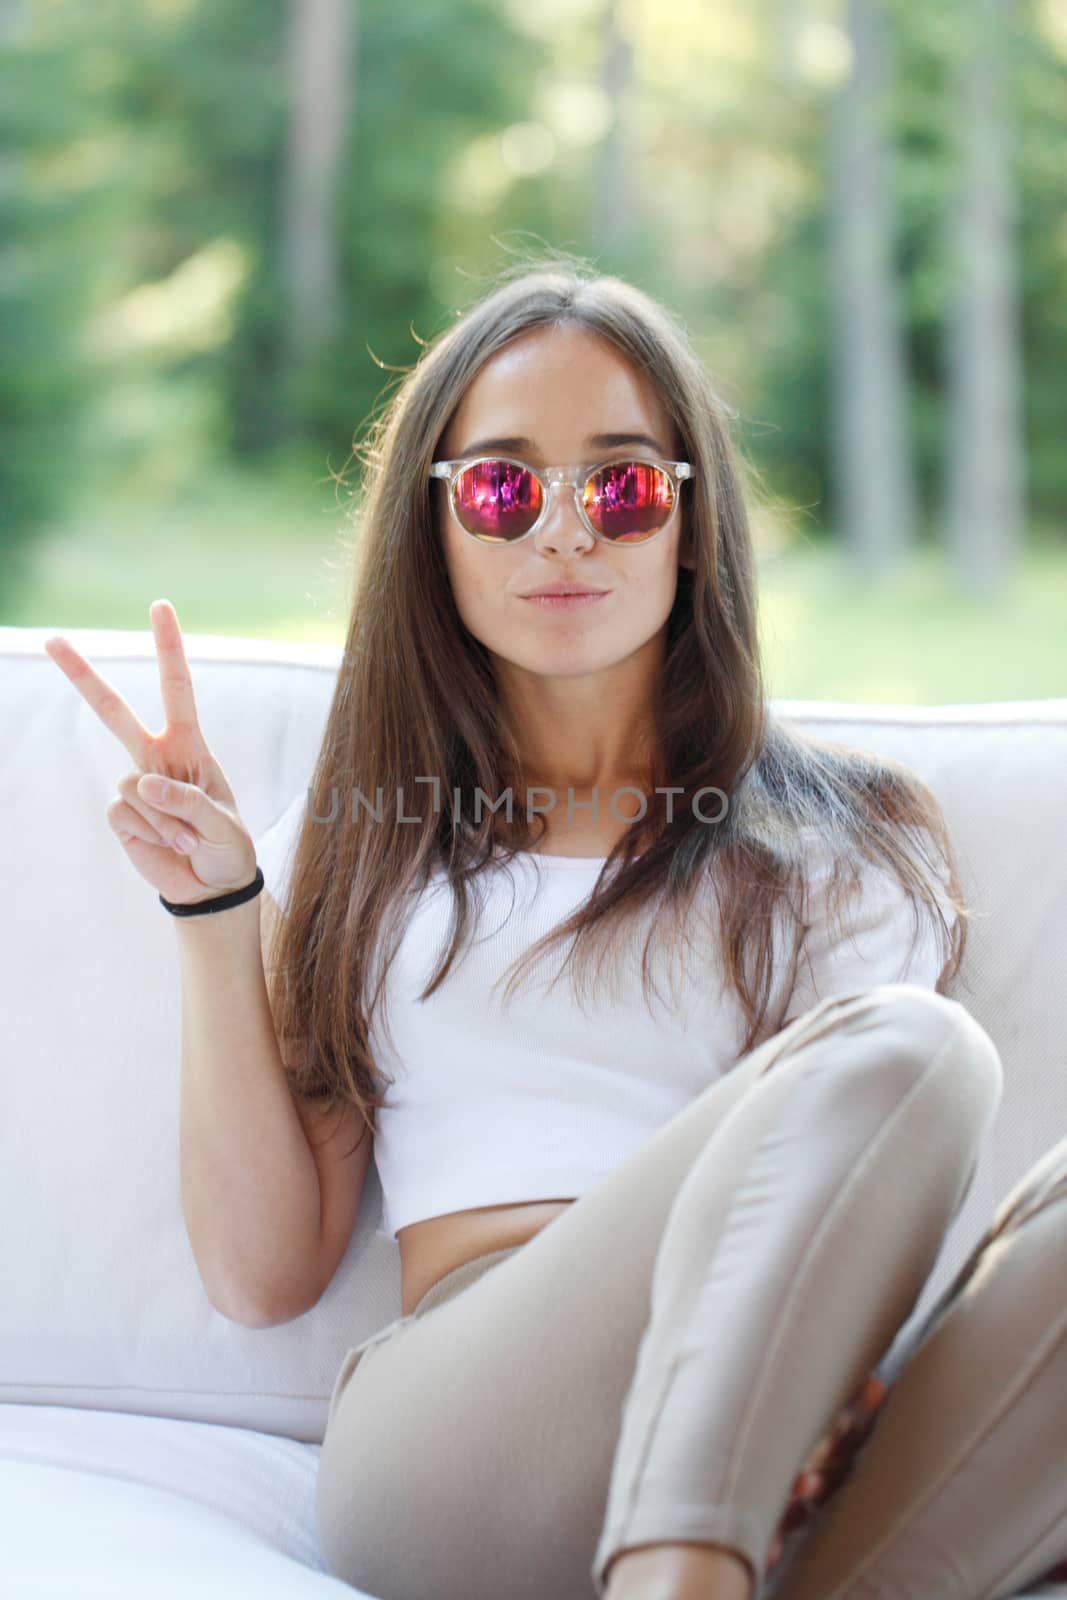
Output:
x=103 y=1305
x=109 y=1506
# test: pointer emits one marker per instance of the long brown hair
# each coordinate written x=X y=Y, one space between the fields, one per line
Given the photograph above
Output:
x=415 y=700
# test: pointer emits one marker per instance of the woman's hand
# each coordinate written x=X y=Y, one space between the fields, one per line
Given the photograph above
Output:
x=830 y=1462
x=189 y=842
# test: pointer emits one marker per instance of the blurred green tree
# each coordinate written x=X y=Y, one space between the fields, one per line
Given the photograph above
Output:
x=52 y=215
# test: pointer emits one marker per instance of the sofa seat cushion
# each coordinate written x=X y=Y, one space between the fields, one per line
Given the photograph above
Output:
x=108 y=1504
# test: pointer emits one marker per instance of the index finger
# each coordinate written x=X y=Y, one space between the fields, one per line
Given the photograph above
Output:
x=175 y=679
x=113 y=711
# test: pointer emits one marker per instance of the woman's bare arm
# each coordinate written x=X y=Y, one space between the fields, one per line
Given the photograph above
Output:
x=267 y=1204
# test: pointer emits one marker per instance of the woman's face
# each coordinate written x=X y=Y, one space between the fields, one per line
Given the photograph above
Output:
x=542 y=399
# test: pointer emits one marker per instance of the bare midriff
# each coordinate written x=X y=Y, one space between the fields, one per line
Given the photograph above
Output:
x=430 y=1249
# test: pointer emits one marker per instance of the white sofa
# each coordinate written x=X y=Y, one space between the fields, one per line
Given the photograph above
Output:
x=148 y=1446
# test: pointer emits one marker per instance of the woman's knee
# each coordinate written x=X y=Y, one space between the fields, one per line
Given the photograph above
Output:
x=871 y=1052
x=911 y=1030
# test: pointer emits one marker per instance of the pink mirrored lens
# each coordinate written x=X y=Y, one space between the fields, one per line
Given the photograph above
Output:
x=497 y=500
x=628 y=500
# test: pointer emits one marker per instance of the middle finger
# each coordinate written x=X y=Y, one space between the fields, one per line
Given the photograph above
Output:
x=175 y=679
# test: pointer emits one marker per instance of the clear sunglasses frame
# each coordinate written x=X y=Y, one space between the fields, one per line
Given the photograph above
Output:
x=577 y=475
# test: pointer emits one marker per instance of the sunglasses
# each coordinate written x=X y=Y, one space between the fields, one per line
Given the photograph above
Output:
x=499 y=500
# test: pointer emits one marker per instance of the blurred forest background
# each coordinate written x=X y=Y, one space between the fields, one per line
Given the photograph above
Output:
x=227 y=226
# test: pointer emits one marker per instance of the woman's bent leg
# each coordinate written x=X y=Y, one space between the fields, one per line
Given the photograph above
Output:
x=795 y=1249
x=720 y=1294
x=961 y=1491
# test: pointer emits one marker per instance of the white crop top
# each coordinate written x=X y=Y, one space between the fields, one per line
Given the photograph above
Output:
x=540 y=1102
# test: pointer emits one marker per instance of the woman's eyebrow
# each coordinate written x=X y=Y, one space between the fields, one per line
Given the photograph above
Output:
x=597 y=441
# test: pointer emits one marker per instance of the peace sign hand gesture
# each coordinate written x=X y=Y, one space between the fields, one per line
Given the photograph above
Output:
x=188 y=840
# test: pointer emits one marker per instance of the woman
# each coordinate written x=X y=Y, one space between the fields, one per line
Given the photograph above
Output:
x=649 y=1252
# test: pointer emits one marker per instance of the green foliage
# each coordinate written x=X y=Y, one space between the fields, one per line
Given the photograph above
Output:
x=143 y=151
x=50 y=224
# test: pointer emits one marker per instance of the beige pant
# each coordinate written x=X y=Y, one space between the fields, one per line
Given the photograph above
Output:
x=659 y=1362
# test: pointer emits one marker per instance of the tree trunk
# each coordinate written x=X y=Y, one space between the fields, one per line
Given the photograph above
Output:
x=985 y=466
x=875 y=480
x=616 y=198
x=320 y=46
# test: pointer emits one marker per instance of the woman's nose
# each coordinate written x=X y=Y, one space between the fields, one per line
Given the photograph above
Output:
x=563 y=528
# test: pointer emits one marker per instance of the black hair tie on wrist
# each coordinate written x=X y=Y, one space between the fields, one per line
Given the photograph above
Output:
x=221 y=902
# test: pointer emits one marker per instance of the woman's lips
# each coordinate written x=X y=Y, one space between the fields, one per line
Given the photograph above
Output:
x=564 y=602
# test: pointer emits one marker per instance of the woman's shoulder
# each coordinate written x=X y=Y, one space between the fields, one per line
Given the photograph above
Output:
x=821 y=851
x=870 y=931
